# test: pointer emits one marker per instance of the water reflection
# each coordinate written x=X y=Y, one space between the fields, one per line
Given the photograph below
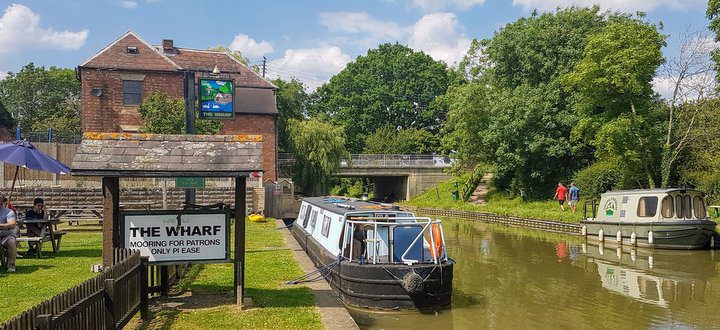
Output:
x=514 y=278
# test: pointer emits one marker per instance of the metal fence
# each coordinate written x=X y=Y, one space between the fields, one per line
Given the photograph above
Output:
x=381 y=161
x=50 y=136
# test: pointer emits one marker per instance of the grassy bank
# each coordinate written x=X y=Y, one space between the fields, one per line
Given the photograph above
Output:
x=276 y=306
x=441 y=197
x=37 y=280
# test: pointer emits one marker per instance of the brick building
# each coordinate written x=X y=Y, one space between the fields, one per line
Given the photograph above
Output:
x=118 y=77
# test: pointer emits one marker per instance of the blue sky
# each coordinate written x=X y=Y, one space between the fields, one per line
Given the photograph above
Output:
x=311 y=40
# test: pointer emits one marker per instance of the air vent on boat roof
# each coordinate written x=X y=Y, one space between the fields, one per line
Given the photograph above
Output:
x=345 y=206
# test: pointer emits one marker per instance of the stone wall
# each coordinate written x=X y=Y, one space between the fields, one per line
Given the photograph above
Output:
x=77 y=196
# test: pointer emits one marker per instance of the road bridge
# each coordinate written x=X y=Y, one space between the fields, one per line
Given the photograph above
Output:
x=403 y=176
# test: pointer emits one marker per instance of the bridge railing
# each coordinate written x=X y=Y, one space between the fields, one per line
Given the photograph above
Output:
x=382 y=161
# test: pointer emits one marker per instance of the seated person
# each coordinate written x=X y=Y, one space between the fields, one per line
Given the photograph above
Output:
x=7 y=233
x=35 y=229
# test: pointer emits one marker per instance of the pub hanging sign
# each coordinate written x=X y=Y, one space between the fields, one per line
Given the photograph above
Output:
x=217 y=98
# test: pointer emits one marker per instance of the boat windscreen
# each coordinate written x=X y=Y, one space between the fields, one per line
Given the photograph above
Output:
x=403 y=237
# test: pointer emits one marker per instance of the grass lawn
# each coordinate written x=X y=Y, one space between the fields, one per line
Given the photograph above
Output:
x=37 y=280
x=441 y=197
x=276 y=306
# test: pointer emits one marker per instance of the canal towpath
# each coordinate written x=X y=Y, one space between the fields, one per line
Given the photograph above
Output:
x=332 y=311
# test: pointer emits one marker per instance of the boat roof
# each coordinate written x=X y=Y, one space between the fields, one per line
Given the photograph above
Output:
x=343 y=205
x=655 y=191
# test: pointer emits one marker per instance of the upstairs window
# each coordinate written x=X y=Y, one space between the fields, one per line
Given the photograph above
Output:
x=132 y=92
x=132 y=50
x=647 y=206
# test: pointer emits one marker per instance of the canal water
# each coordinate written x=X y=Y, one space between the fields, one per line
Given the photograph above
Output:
x=515 y=278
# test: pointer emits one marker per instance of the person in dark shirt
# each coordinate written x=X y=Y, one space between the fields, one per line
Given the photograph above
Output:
x=35 y=213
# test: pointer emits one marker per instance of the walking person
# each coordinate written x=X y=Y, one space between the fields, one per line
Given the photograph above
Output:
x=561 y=195
x=573 y=196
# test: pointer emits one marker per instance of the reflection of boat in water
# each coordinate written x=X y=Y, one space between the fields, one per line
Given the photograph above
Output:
x=376 y=256
x=657 y=277
x=655 y=218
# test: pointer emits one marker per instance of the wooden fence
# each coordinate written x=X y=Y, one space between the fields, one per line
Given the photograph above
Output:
x=107 y=301
x=545 y=225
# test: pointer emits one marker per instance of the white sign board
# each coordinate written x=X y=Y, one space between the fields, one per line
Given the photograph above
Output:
x=198 y=237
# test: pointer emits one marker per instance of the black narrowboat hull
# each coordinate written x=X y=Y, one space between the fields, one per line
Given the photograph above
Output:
x=386 y=287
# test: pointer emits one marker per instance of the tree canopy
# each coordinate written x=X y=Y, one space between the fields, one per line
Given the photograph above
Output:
x=167 y=116
x=292 y=103
x=318 y=148
x=391 y=85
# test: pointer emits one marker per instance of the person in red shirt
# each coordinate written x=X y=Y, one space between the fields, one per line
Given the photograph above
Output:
x=561 y=195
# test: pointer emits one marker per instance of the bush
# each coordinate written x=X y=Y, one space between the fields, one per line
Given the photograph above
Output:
x=599 y=178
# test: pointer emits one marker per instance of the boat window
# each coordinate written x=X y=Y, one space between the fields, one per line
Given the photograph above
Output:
x=687 y=207
x=306 y=218
x=668 y=207
x=647 y=206
x=678 y=206
x=699 y=205
x=313 y=220
x=326 y=226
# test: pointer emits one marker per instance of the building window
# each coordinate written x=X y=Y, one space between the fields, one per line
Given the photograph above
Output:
x=132 y=50
x=132 y=92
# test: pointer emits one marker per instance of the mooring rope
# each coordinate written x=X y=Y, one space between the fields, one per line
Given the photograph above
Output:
x=321 y=272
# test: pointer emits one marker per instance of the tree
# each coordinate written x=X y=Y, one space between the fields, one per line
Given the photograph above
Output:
x=36 y=97
x=690 y=77
x=292 y=102
x=389 y=140
x=713 y=14
x=6 y=119
x=391 y=85
x=611 y=88
x=167 y=116
x=468 y=119
x=318 y=148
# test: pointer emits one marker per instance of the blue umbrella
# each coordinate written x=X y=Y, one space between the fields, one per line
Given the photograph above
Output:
x=23 y=153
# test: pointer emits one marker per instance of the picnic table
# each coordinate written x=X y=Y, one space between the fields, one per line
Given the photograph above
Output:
x=48 y=233
x=716 y=208
x=77 y=213
x=145 y=204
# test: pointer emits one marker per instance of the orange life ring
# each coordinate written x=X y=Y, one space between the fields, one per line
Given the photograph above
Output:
x=437 y=237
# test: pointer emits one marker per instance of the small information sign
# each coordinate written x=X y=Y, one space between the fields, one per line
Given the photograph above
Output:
x=190 y=182
x=168 y=237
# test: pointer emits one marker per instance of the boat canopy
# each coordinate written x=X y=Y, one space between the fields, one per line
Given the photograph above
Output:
x=646 y=205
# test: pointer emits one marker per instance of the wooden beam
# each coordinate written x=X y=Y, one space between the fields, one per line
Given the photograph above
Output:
x=111 y=207
x=162 y=174
x=239 y=261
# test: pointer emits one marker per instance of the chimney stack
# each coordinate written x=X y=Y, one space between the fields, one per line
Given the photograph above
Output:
x=167 y=45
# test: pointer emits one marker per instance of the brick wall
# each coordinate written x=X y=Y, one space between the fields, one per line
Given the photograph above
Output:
x=107 y=112
x=262 y=125
x=74 y=196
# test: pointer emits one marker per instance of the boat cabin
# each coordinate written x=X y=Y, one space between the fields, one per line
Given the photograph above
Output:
x=649 y=205
x=372 y=233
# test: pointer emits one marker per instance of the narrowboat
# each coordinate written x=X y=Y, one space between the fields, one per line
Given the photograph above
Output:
x=376 y=256
x=651 y=218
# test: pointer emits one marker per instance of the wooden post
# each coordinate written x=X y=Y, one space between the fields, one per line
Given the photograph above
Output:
x=144 y=288
x=110 y=304
x=54 y=147
x=164 y=280
x=240 y=199
x=43 y=322
x=111 y=207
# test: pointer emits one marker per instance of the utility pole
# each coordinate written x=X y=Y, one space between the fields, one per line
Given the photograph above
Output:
x=189 y=83
x=264 y=67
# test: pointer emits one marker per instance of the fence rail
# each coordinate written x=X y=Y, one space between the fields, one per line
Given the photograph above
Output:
x=545 y=225
x=107 y=301
x=381 y=160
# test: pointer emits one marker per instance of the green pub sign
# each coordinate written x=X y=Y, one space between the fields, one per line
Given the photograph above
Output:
x=190 y=183
x=217 y=98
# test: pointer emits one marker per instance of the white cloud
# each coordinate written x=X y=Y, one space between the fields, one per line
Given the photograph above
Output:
x=3 y=74
x=20 y=29
x=313 y=66
x=249 y=47
x=129 y=4
x=697 y=86
x=440 y=35
x=361 y=22
x=623 y=5
x=436 y=5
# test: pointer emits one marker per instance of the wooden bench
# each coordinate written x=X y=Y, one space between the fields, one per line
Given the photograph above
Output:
x=37 y=241
x=33 y=241
x=77 y=218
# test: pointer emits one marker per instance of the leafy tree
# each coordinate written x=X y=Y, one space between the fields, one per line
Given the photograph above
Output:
x=167 y=116
x=612 y=91
x=292 y=102
x=6 y=119
x=388 y=140
x=713 y=14
x=468 y=119
x=391 y=85
x=35 y=95
x=317 y=147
